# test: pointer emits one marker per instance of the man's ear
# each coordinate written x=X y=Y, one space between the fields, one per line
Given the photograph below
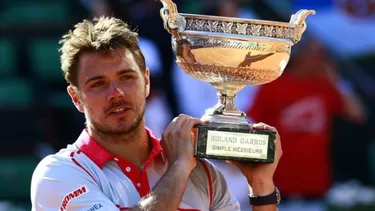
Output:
x=147 y=82
x=75 y=98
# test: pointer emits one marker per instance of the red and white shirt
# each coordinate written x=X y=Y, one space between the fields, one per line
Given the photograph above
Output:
x=84 y=176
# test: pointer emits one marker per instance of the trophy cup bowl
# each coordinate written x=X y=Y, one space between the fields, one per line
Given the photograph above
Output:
x=231 y=53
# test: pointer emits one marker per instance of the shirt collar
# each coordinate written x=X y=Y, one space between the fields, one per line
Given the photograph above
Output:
x=92 y=149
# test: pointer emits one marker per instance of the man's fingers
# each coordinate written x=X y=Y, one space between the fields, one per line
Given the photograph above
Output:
x=181 y=119
x=180 y=126
x=177 y=123
x=190 y=123
x=188 y=128
x=263 y=126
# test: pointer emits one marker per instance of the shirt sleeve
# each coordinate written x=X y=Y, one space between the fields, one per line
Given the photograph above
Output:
x=222 y=199
x=62 y=186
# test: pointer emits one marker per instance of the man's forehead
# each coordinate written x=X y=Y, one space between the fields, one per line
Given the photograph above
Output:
x=107 y=61
x=119 y=56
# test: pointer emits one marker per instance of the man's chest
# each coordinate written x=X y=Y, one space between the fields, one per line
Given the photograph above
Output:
x=126 y=190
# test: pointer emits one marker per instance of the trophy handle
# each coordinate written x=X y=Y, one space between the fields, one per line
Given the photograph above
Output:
x=173 y=22
x=298 y=20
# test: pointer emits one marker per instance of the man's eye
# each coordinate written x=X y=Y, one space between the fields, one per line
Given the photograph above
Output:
x=97 y=84
x=126 y=77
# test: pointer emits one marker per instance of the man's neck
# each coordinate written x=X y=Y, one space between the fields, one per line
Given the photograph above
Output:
x=134 y=147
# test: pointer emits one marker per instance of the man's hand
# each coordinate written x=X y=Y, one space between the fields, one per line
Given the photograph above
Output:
x=178 y=141
x=260 y=175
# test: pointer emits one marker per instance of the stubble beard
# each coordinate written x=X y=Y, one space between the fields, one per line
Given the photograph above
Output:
x=115 y=134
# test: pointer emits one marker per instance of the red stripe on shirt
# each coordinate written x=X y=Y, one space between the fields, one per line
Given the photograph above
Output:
x=79 y=165
x=210 y=189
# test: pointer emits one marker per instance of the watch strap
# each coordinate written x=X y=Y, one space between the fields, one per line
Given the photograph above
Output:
x=273 y=198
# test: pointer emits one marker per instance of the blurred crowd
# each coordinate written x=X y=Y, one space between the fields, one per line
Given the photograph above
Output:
x=323 y=105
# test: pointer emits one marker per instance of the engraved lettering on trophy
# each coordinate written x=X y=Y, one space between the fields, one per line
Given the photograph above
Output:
x=244 y=46
x=222 y=143
x=252 y=141
x=247 y=150
x=224 y=139
x=249 y=46
x=279 y=49
x=253 y=47
x=222 y=148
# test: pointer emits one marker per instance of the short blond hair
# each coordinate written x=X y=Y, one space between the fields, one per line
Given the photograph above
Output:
x=102 y=34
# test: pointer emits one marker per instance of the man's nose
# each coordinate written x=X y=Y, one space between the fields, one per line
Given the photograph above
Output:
x=115 y=92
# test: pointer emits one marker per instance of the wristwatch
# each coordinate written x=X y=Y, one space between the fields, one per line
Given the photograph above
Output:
x=273 y=198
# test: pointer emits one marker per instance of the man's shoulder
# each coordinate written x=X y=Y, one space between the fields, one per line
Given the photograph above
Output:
x=65 y=179
x=57 y=165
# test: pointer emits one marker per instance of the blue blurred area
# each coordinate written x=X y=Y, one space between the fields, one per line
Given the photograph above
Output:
x=38 y=117
x=312 y=4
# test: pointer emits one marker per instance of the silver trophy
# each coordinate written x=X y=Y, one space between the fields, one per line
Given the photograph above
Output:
x=231 y=53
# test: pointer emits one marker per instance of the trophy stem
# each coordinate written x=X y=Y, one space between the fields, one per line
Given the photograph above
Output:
x=225 y=111
x=226 y=105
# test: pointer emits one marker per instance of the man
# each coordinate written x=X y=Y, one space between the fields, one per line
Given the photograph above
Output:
x=302 y=104
x=117 y=163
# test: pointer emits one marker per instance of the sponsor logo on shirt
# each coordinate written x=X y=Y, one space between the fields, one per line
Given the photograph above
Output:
x=72 y=195
x=95 y=207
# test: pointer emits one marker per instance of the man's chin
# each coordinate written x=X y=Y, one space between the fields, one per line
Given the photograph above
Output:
x=120 y=130
x=123 y=127
x=120 y=126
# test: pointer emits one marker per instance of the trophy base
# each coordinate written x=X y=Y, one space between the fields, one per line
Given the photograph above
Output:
x=225 y=141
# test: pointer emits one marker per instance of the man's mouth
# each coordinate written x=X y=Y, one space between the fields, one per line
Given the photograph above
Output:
x=118 y=110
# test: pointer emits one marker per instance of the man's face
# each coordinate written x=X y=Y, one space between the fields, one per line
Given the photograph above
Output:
x=112 y=91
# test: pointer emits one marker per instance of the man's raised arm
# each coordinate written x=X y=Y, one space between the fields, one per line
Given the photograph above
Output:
x=178 y=144
x=168 y=192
